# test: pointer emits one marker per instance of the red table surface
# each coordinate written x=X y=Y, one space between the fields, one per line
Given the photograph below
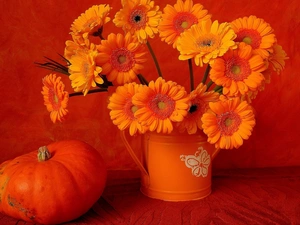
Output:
x=243 y=196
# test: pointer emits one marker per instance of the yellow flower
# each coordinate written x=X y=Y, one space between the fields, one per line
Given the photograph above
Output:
x=206 y=41
x=255 y=32
x=122 y=109
x=90 y=24
x=84 y=73
x=199 y=104
x=227 y=123
x=238 y=71
x=139 y=17
x=160 y=104
x=55 y=97
x=121 y=58
x=179 y=18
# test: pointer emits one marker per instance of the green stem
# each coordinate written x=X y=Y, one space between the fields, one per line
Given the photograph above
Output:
x=53 y=65
x=142 y=79
x=206 y=74
x=191 y=74
x=209 y=85
x=218 y=89
x=90 y=92
x=43 y=154
x=154 y=59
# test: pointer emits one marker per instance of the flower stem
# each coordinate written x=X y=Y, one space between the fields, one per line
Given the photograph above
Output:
x=43 y=154
x=191 y=74
x=209 y=85
x=154 y=59
x=218 y=89
x=206 y=74
x=142 y=79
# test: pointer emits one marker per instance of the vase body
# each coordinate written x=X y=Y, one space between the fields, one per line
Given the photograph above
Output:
x=176 y=167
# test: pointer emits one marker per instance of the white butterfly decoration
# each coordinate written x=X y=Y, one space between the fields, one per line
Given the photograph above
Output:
x=199 y=163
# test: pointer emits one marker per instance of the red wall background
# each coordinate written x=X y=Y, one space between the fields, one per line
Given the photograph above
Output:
x=32 y=29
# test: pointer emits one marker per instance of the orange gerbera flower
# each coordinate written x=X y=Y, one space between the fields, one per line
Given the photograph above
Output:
x=160 y=104
x=199 y=104
x=139 y=17
x=238 y=71
x=227 y=123
x=90 y=23
x=206 y=41
x=179 y=18
x=277 y=58
x=122 y=109
x=255 y=32
x=55 y=97
x=121 y=58
x=84 y=73
x=71 y=49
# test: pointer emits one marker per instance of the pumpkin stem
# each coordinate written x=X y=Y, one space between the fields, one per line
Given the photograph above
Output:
x=43 y=154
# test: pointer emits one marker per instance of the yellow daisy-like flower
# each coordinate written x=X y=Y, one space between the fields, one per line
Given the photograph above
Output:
x=84 y=73
x=255 y=32
x=227 y=123
x=277 y=58
x=199 y=104
x=55 y=97
x=90 y=23
x=206 y=41
x=160 y=104
x=122 y=109
x=121 y=58
x=178 y=18
x=238 y=71
x=139 y=17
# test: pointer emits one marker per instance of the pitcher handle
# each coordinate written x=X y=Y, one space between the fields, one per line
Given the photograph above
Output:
x=215 y=152
x=133 y=155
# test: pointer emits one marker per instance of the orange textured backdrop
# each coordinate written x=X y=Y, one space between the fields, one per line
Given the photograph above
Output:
x=32 y=29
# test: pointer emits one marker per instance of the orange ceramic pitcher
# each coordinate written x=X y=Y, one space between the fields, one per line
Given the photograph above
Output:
x=175 y=167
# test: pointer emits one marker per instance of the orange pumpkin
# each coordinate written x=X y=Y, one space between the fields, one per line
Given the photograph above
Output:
x=58 y=184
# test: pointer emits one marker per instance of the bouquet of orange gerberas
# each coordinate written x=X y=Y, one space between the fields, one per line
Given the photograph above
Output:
x=240 y=57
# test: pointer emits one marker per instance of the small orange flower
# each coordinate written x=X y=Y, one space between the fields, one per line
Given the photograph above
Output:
x=199 y=104
x=71 y=49
x=139 y=17
x=277 y=58
x=55 y=97
x=227 y=123
x=122 y=109
x=178 y=18
x=121 y=58
x=90 y=23
x=238 y=71
x=206 y=41
x=160 y=104
x=255 y=32
x=84 y=73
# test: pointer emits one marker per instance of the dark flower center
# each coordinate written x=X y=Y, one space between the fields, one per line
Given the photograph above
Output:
x=193 y=108
x=137 y=18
